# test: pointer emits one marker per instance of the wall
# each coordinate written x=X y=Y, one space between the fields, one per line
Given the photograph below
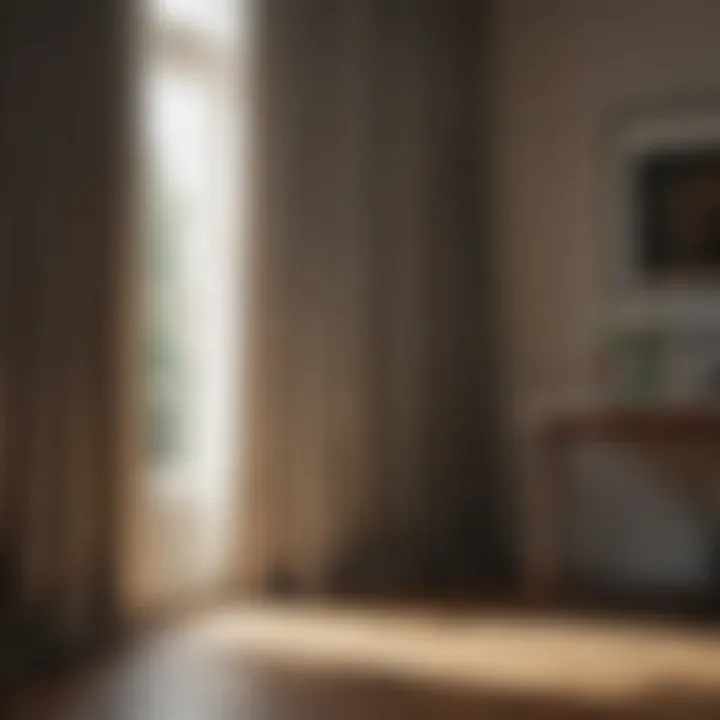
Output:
x=566 y=71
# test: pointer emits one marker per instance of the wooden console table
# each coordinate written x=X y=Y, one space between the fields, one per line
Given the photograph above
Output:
x=685 y=441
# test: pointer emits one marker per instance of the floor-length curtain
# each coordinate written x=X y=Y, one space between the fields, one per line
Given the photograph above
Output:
x=375 y=433
x=62 y=220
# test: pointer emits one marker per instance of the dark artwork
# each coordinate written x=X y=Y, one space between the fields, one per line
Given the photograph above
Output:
x=679 y=195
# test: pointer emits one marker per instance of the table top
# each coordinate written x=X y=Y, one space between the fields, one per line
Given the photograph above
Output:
x=661 y=423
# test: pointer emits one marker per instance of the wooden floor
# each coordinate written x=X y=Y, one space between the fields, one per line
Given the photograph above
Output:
x=304 y=663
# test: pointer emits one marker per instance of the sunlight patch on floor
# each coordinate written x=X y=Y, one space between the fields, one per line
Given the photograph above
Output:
x=605 y=662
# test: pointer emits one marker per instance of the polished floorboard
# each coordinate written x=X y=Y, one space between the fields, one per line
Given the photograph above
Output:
x=306 y=663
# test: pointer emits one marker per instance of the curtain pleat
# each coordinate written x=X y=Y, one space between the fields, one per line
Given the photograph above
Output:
x=63 y=222
x=376 y=437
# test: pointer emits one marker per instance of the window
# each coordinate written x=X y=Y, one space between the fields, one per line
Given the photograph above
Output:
x=192 y=131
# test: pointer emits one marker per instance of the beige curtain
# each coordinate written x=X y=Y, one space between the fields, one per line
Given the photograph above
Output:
x=62 y=216
x=376 y=442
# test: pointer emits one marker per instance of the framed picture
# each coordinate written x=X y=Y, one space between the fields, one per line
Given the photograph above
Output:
x=665 y=216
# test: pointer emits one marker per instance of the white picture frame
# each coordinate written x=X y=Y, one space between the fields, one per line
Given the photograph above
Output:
x=631 y=298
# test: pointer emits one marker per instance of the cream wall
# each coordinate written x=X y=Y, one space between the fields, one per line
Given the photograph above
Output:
x=566 y=70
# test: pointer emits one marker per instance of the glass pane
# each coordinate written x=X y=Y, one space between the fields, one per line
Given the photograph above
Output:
x=180 y=124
